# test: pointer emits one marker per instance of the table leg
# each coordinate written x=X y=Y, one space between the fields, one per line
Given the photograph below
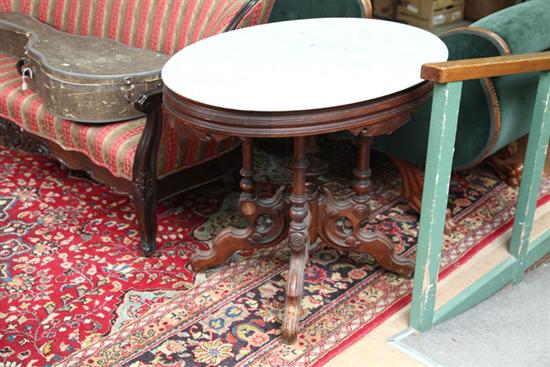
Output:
x=341 y=219
x=298 y=242
x=267 y=222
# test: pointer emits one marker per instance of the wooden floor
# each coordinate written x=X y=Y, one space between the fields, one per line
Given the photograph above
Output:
x=374 y=348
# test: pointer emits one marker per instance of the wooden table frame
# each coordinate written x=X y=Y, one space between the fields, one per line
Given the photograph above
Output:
x=302 y=214
x=448 y=77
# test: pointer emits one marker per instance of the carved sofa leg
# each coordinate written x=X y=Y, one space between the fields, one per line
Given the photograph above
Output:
x=15 y=137
x=508 y=162
x=412 y=185
x=144 y=179
x=145 y=202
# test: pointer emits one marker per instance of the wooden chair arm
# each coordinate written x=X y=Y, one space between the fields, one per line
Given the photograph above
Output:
x=453 y=71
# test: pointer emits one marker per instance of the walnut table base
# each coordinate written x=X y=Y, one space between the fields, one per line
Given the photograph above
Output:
x=303 y=215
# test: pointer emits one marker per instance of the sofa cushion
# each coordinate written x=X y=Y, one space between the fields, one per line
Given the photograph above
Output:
x=112 y=146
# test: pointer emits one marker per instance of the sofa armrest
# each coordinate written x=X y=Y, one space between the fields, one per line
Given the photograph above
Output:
x=146 y=102
x=486 y=67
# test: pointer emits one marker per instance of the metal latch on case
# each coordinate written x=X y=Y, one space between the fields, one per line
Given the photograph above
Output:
x=128 y=89
x=26 y=74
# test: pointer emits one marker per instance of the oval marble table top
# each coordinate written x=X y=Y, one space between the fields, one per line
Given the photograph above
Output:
x=302 y=64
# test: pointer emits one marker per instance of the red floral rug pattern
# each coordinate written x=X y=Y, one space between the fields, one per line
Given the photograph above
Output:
x=68 y=257
x=74 y=291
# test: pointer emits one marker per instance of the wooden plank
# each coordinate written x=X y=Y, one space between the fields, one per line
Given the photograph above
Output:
x=445 y=106
x=537 y=145
x=478 y=292
x=452 y=71
x=538 y=248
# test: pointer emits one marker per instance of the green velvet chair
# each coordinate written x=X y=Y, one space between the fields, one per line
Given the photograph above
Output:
x=494 y=113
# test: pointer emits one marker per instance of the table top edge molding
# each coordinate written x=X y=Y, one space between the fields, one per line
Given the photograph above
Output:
x=219 y=121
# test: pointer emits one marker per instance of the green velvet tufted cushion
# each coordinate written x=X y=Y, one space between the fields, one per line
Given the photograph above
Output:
x=524 y=28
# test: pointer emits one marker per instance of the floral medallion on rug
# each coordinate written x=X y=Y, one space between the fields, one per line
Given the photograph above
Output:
x=75 y=292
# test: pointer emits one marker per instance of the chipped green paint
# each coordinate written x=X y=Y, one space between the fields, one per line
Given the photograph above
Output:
x=445 y=106
x=538 y=248
x=523 y=252
x=532 y=172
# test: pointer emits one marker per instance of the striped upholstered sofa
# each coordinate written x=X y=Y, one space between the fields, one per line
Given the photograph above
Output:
x=122 y=154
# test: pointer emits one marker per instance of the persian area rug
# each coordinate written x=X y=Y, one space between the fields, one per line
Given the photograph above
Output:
x=75 y=292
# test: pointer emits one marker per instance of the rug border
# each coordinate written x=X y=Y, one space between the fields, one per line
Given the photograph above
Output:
x=355 y=337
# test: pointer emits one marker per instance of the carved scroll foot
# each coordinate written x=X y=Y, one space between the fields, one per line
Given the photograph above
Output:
x=266 y=222
x=508 y=163
x=382 y=249
x=224 y=245
x=412 y=184
x=341 y=227
x=294 y=293
x=267 y=226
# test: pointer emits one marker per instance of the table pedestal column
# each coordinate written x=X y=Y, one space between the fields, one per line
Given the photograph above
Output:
x=339 y=222
x=298 y=241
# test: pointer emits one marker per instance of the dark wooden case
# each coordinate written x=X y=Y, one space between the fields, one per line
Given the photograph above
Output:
x=80 y=78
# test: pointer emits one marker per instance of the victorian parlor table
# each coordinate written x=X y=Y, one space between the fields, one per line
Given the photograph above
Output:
x=300 y=79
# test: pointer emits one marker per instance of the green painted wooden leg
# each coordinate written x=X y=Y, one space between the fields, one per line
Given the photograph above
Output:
x=532 y=172
x=446 y=102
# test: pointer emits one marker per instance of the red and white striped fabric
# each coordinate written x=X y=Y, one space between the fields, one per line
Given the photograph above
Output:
x=160 y=25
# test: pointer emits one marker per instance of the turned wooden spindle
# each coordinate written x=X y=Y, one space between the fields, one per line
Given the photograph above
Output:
x=362 y=185
x=247 y=172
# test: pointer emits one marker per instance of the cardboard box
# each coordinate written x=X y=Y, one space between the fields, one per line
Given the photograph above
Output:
x=384 y=8
x=436 y=17
x=425 y=9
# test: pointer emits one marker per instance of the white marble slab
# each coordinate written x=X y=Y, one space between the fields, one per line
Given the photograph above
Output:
x=303 y=64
